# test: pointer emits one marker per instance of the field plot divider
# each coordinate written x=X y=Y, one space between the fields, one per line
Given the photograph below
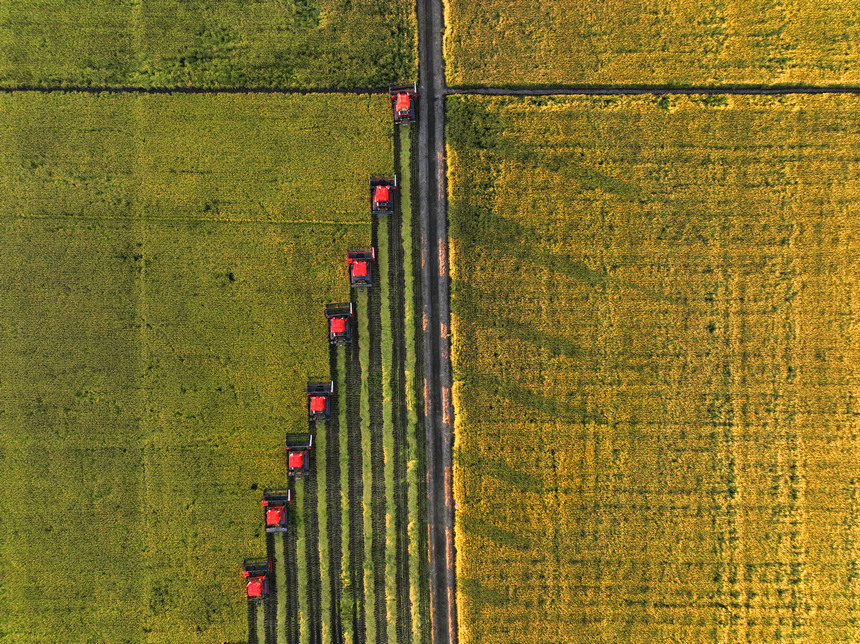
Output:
x=366 y=468
x=387 y=346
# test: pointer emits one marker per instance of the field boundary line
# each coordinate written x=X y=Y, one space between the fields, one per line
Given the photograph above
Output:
x=657 y=89
x=137 y=89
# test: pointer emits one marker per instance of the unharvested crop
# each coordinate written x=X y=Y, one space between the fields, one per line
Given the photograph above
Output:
x=628 y=42
x=206 y=43
x=655 y=327
x=160 y=311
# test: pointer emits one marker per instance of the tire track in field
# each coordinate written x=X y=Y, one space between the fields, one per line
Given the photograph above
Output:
x=252 y=623
x=332 y=482
x=377 y=456
x=270 y=603
x=438 y=407
x=312 y=553
x=397 y=307
x=356 y=482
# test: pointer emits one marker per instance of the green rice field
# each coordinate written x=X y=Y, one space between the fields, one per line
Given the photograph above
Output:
x=167 y=259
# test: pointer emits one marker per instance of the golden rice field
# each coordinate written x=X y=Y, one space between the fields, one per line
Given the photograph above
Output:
x=630 y=42
x=655 y=326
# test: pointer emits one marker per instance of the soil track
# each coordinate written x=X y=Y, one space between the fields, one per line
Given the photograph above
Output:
x=356 y=482
x=252 y=622
x=438 y=408
x=270 y=603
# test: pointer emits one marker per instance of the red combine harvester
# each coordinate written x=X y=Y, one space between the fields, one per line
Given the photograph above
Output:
x=275 y=509
x=361 y=266
x=403 y=102
x=257 y=573
x=339 y=322
x=382 y=194
x=319 y=400
x=298 y=453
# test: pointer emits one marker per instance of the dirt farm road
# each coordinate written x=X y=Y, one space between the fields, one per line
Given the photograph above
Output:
x=438 y=407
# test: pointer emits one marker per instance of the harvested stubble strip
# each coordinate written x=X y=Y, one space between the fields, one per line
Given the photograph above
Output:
x=347 y=599
x=366 y=469
x=387 y=344
x=412 y=465
x=301 y=571
x=281 y=577
x=261 y=620
x=322 y=516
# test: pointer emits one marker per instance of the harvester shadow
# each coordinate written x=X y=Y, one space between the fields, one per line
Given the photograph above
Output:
x=482 y=464
x=494 y=533
x=481 y=594
x=569 y=166
x=483 y=384
x=466 y=302
x=478 y=224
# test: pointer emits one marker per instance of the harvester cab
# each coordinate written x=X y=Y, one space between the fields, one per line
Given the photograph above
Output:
x=256 y=571
x=382 y=194
x=339 y=322
x=360 y=262
x=275 y=509
x=403 y=102
x=319 y=400
x=298 y=453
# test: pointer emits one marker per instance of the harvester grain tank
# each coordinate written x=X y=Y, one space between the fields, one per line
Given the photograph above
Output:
x=298 y=448
x=382 y=189
x=360 y=261
x=403 y=98
x=256 y=571
x=319 y=400
x=339 y=322
x=275 y=504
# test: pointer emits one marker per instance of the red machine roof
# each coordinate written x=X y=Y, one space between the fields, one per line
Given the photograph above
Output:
x=381 y=193
x=402 y=102
x=359 y=269
x=296 y=460
x=317 y=403
x=338 y=326
x=255 y=587
x=274 y=516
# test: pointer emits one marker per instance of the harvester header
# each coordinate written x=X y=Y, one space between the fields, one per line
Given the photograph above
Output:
x=319 y=400
x=275 y=509
x=256 y=571
x=298 y=448
x=382 y=189
x=360 y=262
x=340 y=322
x=403 y=99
